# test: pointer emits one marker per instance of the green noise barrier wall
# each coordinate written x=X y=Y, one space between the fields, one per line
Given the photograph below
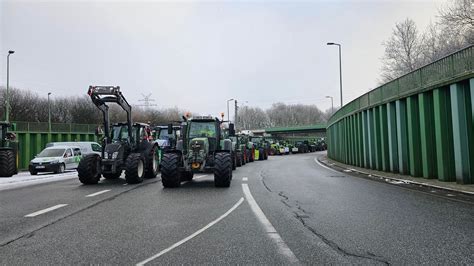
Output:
x=33 y=137
x=421 y=124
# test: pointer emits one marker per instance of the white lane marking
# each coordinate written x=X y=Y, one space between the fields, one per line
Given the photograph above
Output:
x=45 y=210
x=97 y=193
x=177 y=244
x=245 y=179
x=322 y=165
x=271 y=231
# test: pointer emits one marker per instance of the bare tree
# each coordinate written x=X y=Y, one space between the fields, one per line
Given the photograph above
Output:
x=459 y=17
x=403 y=51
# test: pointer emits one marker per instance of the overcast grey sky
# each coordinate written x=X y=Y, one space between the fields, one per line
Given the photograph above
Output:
x=196 y=55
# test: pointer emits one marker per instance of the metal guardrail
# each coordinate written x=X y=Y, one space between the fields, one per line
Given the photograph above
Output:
x=55 y=127
x=445 y=70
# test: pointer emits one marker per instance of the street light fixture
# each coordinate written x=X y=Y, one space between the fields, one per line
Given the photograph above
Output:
x=340 y=67
x=332 y=104
x=228 y=116
x=49 y=114
x=7 y=101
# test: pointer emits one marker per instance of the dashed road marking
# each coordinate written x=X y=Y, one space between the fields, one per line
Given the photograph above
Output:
x=45 y=210
x=177 y=244
x=271 y=231
x=97 y=193
x=245 y=179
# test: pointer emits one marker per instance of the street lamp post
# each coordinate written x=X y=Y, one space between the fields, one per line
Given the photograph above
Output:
x=49 y=114
x=332 y=104
x=340 y=67
x=7 y=101
x=228 y=115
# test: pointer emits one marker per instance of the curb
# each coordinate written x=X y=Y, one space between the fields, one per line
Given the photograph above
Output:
x=469 y=193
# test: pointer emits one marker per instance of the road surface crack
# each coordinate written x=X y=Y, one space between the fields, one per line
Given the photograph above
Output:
x=301 y=214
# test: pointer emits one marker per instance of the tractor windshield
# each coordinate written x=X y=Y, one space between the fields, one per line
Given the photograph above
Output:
x=119 y=133
x=202 y=129
x=51 y=153
x=164 y=134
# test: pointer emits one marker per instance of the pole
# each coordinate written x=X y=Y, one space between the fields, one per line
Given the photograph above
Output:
x=49 y=113
x=235 y=113
x=7 y=98
x=340 y=72
x=332 y=105
x=228 y=115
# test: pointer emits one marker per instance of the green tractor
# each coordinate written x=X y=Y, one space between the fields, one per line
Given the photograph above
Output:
x=238 y=157
x=262 y=147
x=201 y=148
x=8 y=151
x=126 y=147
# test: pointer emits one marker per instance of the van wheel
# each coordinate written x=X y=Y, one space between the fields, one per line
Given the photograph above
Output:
x=60 y=169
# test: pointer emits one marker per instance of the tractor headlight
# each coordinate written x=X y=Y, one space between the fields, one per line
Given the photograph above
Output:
x=114 y=155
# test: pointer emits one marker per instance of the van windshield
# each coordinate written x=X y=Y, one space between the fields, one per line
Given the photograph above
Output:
x=51 y=153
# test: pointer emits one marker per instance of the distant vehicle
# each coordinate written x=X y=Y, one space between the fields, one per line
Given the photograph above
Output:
x=87 y=147
x=56 y=159
x=166 y=140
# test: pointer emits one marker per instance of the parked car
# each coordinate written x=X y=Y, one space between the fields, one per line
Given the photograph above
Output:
x=86 y=146
x=56 y=159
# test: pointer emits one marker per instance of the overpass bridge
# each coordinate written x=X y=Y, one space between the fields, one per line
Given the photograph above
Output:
x=421 y=124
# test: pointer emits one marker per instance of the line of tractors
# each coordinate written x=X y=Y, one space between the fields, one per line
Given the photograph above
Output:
x=201 y=144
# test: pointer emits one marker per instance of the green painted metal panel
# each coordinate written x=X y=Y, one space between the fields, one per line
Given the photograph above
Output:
x=365 y=140
x=427 y=135
x=459 y=93
x=392 y=137
x=377 y=139
x=383 y=125
x=413 y=121
x=361 y=141
x=370 y=132
x=443 y=135
x=402 y=137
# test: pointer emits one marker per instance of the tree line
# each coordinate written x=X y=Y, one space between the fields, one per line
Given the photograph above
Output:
x=281 y=115
x=408 y=48
x=28 y=106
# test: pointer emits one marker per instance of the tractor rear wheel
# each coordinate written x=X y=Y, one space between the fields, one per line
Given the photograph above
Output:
x=260 y=154
x=234 y=161
x=243 y=158
x=170 y=176
x=134 y=168
x=7 y=163
x=265 y=154
x=239 y=159
x=222 y=169
x=112 y=175
x=89 y=169
x=251 y=155
x=153 y=163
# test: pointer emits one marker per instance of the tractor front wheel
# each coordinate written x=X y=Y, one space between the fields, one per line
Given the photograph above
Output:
x=134 y=168
x=89 y=169
x=153 y=164
x=222 y=169
x=170 y=176
x=239 y=159
x=7 y=163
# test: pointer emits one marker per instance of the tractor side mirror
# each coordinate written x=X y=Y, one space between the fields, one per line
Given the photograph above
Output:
x=170 y=129
x=231 y=129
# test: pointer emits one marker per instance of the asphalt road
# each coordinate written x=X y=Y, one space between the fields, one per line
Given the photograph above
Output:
x=286 y=210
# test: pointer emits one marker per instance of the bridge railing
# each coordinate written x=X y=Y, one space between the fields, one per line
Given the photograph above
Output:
x=419 y=124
